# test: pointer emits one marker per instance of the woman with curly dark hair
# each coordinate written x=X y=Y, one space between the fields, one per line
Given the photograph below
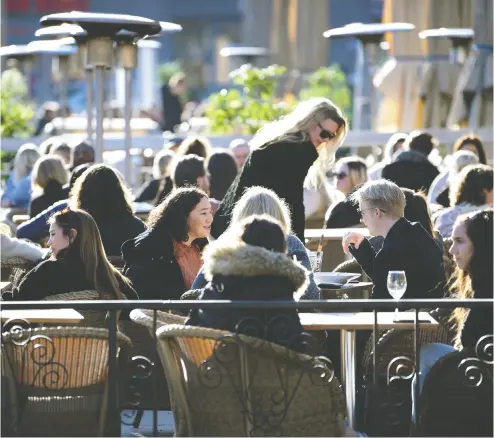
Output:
x=163 y=262
x=102 y=193
x=472 y=190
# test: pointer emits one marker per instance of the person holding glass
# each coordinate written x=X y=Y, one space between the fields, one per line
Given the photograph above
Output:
x=407 y=246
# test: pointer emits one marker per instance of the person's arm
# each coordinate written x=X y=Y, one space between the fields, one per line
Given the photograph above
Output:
x=12 y=247
x=200 y=281
x=365 y=256
x=21 y=195
x=37 y=227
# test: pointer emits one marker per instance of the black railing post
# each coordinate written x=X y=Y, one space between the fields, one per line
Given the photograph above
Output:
x=155 y=376
x=113 y=408
x=416 y=387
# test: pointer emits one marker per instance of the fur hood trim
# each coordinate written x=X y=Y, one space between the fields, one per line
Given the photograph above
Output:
x=244 y=260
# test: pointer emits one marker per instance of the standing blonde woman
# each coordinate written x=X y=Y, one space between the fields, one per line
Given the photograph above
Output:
x=286 y=153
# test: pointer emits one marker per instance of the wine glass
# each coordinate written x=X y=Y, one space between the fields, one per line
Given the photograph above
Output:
x=397 y=286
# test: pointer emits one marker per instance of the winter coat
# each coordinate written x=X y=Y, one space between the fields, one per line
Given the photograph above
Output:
x=53 y=192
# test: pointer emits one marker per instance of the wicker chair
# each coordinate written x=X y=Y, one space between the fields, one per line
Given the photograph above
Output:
x=140 y=330
x=14 y=268
x=58 y=380
x=388 y=407
x=92 y=318
x=234 y=385
x=456 y=398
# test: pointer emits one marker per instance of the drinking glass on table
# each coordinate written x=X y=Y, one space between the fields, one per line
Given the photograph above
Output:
x=397 y=286
x=315 y=258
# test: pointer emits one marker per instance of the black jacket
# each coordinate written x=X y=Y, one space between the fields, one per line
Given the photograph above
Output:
x=114 y=232
x=246 y=272
x=148 y=191
x=281 y=167
x=52 y=193
x=342 y=215
x=479 y=321
x=411 y=170
x=54 y=277
x=407 y=247
x=151 y=266
x=164 y=189
x=172 y=109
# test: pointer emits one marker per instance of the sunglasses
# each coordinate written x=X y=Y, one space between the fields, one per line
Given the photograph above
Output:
x=340 y=176
x=325 y=134
x=360 y=212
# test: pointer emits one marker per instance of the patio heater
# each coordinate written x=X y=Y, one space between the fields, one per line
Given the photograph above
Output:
x=61 y=53
x=127 y=55
x=101 y=30
x=71 y=34
x=370 y=37
x=26 y=59
x=240 y=55
x=461 y=39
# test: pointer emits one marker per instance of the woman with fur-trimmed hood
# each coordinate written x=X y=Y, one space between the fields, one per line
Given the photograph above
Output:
x=249 y=262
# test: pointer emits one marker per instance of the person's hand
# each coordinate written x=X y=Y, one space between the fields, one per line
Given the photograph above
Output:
x=351 y=238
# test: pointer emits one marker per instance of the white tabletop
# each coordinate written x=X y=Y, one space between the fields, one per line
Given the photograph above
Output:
x=364 y=321
x=332 y=233
x=45 y=316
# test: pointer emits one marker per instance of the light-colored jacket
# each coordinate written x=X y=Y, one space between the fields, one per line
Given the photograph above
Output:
x=12 y=247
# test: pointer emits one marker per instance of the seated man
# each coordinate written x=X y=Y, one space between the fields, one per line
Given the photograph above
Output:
x=407 y=246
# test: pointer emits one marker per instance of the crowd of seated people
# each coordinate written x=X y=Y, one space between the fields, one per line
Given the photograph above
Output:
x=83 y=212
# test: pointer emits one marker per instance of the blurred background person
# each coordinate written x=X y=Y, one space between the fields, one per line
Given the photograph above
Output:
x=349 y=173
x=222 y=171
x=393 y=146
x=472 y=143
x=18 y=187
x=439 y=191
x=82 y=153
x=62 y=150
x=195 y=145
x=471 y=191
x=171 y=103
x=241 y=151
x=48 y=179
x=47 y=114
x=161 y=170
x=411 y=168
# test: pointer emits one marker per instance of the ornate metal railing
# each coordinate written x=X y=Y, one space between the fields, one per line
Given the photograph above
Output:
x=303 y=352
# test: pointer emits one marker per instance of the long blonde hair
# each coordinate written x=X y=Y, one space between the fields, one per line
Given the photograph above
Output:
x=47 y=168
x=87 y=247
x=295 y=126
x=24 y=160
x=262 y=201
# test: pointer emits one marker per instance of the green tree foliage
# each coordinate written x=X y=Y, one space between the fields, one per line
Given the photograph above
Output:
x=329 y=82
x=16 y=111
x=245 y=110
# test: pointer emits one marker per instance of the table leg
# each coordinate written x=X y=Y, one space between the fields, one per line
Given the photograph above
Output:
x=348 y=371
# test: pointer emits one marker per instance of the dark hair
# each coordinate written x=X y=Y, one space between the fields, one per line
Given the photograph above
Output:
x=76 y=173
x=222 y=171
x=195 y=145
x=479 y=229
x=417 y=209
x=471 y=183
x=170 y=216
x=101 y=193
x=265 y=232
x=186 y=170
x=421 y=142
x=471 y=139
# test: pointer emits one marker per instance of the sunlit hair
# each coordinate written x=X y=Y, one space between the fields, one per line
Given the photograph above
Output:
x=176 y=79
x=237 y=142
x=170 y=216
x=417 y=209
x=161 y=163
x=294 y=127
x=63 y=150
x=473 y=140
x=262 y=201
x=382 y=194
x=24 y=160
x=357 y=170
x=86 y=247
x=470 y=185
x=101 y=192
x=222 y=171
x=479 y=229
x=46 y=146
x=392 y=145
x=46 y=169
x=195 y=145
x=460 y=160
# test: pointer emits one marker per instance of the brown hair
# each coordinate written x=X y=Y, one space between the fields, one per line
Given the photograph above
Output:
x=470 y=185
x=471 y=139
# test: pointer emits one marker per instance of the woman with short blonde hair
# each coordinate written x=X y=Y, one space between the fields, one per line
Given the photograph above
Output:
x=288 y=154
x=48 y=179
